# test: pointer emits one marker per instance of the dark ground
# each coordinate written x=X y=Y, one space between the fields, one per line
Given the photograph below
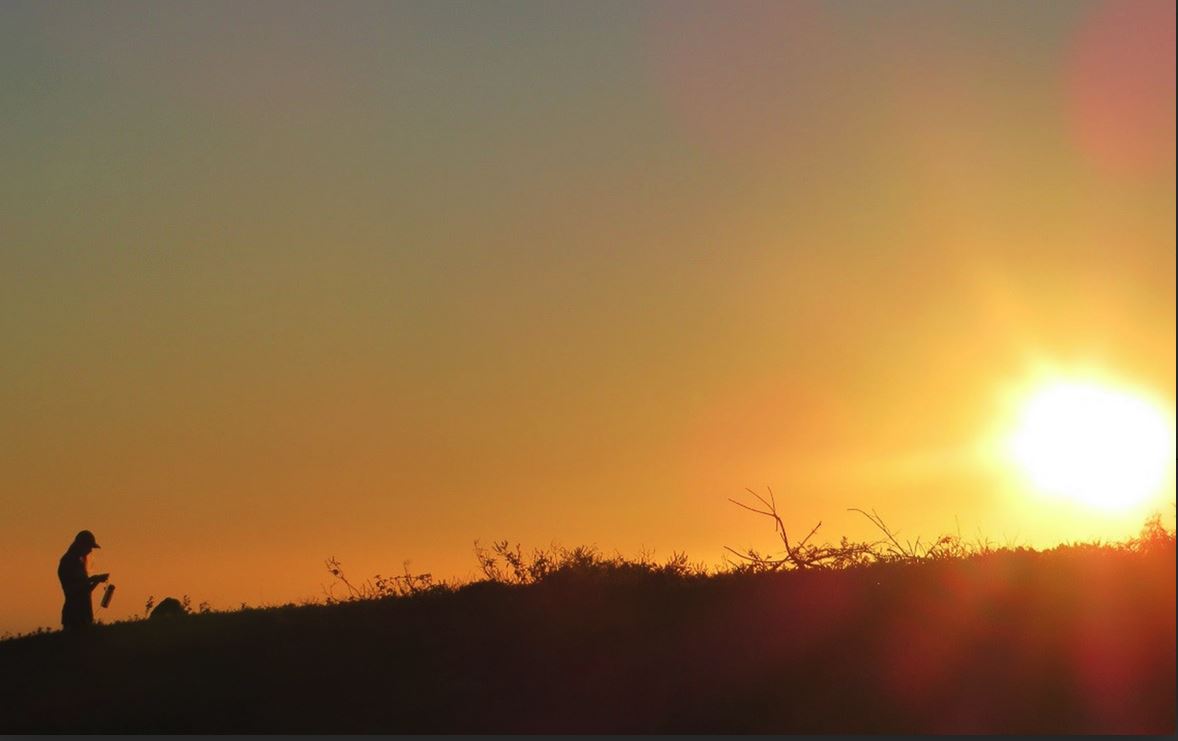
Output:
x=1077 y=640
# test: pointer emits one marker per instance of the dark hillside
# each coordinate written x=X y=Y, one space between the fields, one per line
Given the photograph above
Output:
x=1072 y=640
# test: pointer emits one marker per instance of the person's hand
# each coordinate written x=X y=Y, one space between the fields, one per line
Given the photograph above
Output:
x=99 y=578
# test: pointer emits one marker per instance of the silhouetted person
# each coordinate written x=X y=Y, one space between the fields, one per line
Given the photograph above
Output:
x=77 y=583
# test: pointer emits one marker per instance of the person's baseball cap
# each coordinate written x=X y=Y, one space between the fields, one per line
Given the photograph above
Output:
x=87 y=538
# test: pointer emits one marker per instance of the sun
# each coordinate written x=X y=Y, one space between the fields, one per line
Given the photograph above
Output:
x=1094 y=443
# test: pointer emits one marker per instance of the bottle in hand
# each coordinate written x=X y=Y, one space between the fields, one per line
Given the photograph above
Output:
x=106 y=595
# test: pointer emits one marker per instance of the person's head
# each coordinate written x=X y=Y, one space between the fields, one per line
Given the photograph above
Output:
x=84 y=542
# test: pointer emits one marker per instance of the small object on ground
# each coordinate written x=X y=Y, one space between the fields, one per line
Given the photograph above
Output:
x=167 y=607
x=106 y=595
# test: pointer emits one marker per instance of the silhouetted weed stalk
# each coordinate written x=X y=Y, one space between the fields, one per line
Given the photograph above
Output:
x=378 y=587
x=505 y=564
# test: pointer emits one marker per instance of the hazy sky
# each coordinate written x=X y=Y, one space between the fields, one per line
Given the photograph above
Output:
x=288 y=280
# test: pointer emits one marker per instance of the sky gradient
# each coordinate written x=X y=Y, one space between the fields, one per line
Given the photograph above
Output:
x=281 y=281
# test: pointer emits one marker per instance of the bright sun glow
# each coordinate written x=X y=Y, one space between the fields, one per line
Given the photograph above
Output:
x=1093 y=443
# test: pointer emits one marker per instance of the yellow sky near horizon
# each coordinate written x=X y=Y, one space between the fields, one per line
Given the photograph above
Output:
x=284 y=281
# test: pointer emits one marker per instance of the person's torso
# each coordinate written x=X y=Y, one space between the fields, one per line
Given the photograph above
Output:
x=71 y=571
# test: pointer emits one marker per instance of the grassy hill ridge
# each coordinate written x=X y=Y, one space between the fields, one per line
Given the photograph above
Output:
x=1076 y=639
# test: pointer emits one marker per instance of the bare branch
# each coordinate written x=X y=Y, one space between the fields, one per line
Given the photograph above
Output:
x=751 y=509
x=807 y=538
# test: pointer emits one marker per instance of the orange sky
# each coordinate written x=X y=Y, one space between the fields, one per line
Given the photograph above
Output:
x=283 y=281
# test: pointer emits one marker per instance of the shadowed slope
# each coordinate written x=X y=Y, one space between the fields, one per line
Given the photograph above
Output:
x=1078 y=639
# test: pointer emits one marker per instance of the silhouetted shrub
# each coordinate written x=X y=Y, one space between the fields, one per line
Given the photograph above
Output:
x=169 y=607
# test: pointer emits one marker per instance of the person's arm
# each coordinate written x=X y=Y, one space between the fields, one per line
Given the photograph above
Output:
x=97 y=579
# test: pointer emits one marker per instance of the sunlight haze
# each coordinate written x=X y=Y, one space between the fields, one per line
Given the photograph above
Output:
x=283 y=281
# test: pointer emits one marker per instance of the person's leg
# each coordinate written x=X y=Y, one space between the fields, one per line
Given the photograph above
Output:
x=74 y=616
